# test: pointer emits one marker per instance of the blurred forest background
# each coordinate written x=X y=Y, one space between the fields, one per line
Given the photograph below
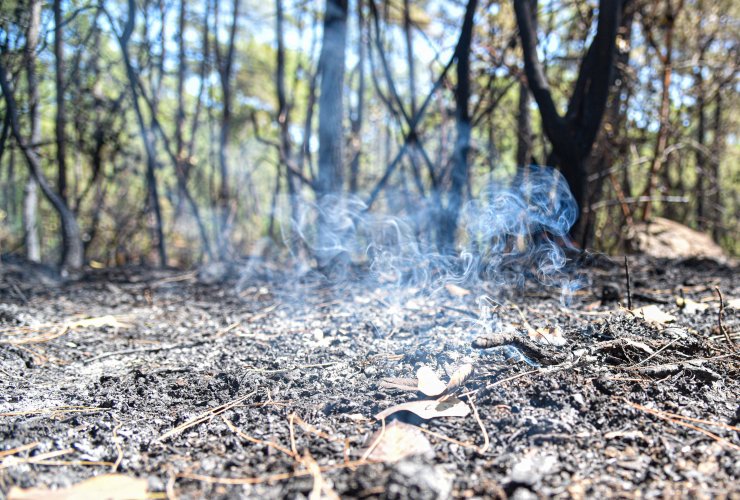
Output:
x=170 y=131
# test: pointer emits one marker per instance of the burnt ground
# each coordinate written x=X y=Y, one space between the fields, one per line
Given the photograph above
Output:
x=199 y=387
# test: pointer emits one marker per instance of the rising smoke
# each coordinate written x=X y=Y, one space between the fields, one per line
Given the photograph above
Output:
x=511 y=233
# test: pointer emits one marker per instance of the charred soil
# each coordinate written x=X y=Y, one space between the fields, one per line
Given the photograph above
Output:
x=270 y=389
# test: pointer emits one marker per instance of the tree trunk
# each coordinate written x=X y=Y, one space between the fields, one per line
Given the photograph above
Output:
x=446 y=232
x=146 y=134
x=331 y=98
x=73 y=248
x=226 y=66
x=357 y=118
x=573 y=135
x=666 y=59
x=61 y=115
x=524 y=117
x=31 y=197
x=714 y=179
x=328 y=186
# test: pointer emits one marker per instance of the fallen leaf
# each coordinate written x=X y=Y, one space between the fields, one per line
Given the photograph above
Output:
x=456 y=291
x=733 y=303
x=427 y=409
x=461 y=375
x=653 y=314
x=105 y=487
x=689 y=306
x=548 y=335
x=429 y=382
x=398 y=441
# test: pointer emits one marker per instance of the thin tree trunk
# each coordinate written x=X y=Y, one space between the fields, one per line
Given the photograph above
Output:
x=73 y=248
x=61 y=115
x=146 y=134
x=226 y=65
x=460 y=168
x=666 y=59
x=31 y=197
x=357 y=119
x=716 y=154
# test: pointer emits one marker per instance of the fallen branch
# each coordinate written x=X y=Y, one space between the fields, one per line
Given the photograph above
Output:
x=528 y=348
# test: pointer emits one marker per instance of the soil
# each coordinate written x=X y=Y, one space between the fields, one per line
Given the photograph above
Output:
x=268 y=389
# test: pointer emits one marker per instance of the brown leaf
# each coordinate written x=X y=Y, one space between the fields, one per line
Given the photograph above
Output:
x=461 y=375
x=427 y=409
x=105 y=487
x=398 y=441
x=548 y=335
x=429 y=382
x=653 y=314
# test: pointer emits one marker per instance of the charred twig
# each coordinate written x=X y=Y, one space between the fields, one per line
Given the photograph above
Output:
x=629 y=287
x=528 y=348
x=681 y=420
x=722 y=328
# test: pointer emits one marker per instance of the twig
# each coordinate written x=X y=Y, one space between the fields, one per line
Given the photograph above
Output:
x=629 y=286
x=486 y=441
x=53 y=411
x=268 y=479
x=116 y=441
x=722 y=328
x=206 y=415
x=673 y=418
x=125 y=352
x=293 y=448
x=375 y=443
x=19 y=449
x=251 y=439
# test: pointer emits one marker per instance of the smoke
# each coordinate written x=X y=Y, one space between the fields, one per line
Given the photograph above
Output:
x=511 y=233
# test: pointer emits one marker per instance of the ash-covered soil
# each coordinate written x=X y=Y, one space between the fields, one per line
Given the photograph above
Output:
x=269 y=389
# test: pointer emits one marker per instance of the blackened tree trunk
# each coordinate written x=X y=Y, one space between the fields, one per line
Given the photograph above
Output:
x=331 y=112
x=716 y=153
x=524 y=117
x=572 y=136
x=460 y=169
x=73 y=249
x=61 y=115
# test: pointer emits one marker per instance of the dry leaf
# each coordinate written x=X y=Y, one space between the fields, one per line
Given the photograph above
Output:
x=427 y=409
x=398 y=441
x=461 y=375
x=456 y=291
x=548 y=335
x=105 y=487
x=689 y=306
x=653 y=314
x=429 y=382
x=733 y=304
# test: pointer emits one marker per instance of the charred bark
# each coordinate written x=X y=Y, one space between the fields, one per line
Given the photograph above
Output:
x=572 y=136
